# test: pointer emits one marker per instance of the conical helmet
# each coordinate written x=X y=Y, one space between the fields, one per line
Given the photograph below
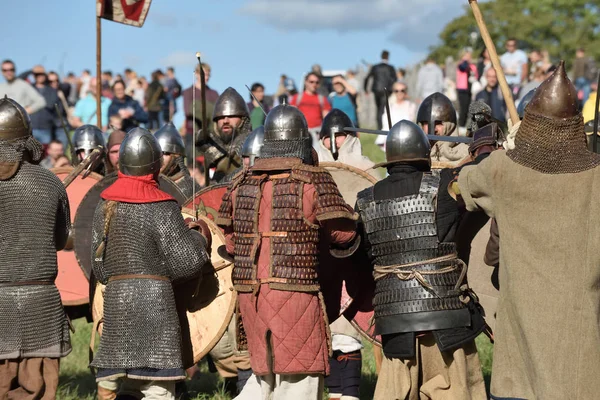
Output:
x=170 y=140
x=230 y=104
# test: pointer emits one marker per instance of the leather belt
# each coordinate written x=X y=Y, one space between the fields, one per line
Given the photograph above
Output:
x=26 y=283
x=138 y=276
x=263 y=234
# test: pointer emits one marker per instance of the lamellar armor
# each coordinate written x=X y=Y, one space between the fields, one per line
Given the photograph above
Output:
x=418 y=279
x=294 y=243
x=35 y=224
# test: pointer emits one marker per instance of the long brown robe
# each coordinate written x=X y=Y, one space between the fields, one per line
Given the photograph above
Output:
x=547 y=329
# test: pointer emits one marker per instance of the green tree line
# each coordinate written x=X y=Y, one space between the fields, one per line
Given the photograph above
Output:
x=558 y=26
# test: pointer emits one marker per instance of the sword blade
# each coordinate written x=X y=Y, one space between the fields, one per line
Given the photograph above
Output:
x=433 y=138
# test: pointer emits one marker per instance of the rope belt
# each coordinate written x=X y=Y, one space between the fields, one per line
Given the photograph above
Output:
x=26 y=283
x=406 y=272
x=138 y=276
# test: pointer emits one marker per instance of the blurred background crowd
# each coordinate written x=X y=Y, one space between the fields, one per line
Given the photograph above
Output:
x=58 y=104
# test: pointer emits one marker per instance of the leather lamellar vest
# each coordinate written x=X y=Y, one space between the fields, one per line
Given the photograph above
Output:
x=418 y=278
x=294 y=241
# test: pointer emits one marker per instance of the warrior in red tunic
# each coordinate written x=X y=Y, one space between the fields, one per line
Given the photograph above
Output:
x=275 y=214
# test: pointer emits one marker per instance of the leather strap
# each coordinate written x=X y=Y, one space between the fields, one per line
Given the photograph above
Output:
x=26 y=283
x=138 y=276
x=263 y=234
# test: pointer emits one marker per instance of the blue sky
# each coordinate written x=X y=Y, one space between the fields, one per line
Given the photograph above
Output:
x=244 y=40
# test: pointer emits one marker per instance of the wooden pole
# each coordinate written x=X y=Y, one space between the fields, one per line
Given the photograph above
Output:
x=99 y=72
x=489 y=44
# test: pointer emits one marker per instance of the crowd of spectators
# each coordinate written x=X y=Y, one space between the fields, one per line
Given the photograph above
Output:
x=58 y=105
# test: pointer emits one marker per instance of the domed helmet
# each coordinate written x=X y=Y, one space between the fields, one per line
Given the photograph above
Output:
x=253 y=144
x=334 y=123
x=436 y=108
x=140 y=154
x=286 y=134
x=14 y=120
x=87 y=138
x=406 y=142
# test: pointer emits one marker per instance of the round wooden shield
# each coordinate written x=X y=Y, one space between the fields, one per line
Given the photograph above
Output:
x=72 y=282
x=350 y=180
x=208 y=307
x=84 y=218
x=479 y=276
x=208 y=200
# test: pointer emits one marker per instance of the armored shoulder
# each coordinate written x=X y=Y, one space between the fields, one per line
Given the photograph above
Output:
x=226 y=208
x=364 y=197
x=330 y=203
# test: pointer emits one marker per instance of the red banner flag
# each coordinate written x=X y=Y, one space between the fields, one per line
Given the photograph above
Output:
x=128 y=12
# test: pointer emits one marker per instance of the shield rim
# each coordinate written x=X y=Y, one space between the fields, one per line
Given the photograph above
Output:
x=232 y=306
x=350 y=168
x=189 y=202
x=373 y=180
x=98 y=177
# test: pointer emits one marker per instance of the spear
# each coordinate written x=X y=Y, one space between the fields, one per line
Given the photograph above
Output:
x=74 y=158
x=433 y=138
x=204 y=137
x=489 y=44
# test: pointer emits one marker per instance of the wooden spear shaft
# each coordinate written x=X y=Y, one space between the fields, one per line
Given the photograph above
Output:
x=489 y=44
x=99 y=72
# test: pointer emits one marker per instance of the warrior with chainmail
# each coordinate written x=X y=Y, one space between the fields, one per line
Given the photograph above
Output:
x=543 y=195
x=275 y=214
x=437 y=116
x=232 y=127
x=427 y=317
x=35 y=220
x=86 y=139
x=140 y=246
x=174 y=167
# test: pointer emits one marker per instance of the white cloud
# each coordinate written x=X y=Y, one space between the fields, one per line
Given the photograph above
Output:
x=415 y=24
x=180 y=58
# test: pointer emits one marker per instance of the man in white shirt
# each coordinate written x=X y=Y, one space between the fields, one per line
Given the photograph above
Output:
x=514 y=64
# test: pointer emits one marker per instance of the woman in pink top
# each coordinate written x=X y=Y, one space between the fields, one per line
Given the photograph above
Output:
x=466 y=73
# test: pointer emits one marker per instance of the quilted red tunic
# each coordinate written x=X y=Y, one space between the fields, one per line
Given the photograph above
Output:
x=293 y=323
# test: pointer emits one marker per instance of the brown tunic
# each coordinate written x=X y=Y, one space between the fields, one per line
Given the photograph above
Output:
x=547 y=330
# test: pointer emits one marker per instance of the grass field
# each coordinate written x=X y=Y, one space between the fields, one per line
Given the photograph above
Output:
x=77 y=382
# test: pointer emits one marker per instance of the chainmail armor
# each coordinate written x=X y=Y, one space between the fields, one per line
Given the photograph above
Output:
x=141 y=327
x=35 y=222
x=298 y=148
x=553 y=146
x=12 y=151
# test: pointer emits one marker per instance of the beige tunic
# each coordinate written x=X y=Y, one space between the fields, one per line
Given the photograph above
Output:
x=547 y=329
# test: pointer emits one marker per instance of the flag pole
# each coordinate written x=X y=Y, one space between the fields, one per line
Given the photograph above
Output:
x=99 y=72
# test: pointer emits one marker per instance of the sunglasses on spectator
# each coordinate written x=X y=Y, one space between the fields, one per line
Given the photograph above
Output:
x=8 y=70
x=52 y=80
x=313 y=81
x=400 y=91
